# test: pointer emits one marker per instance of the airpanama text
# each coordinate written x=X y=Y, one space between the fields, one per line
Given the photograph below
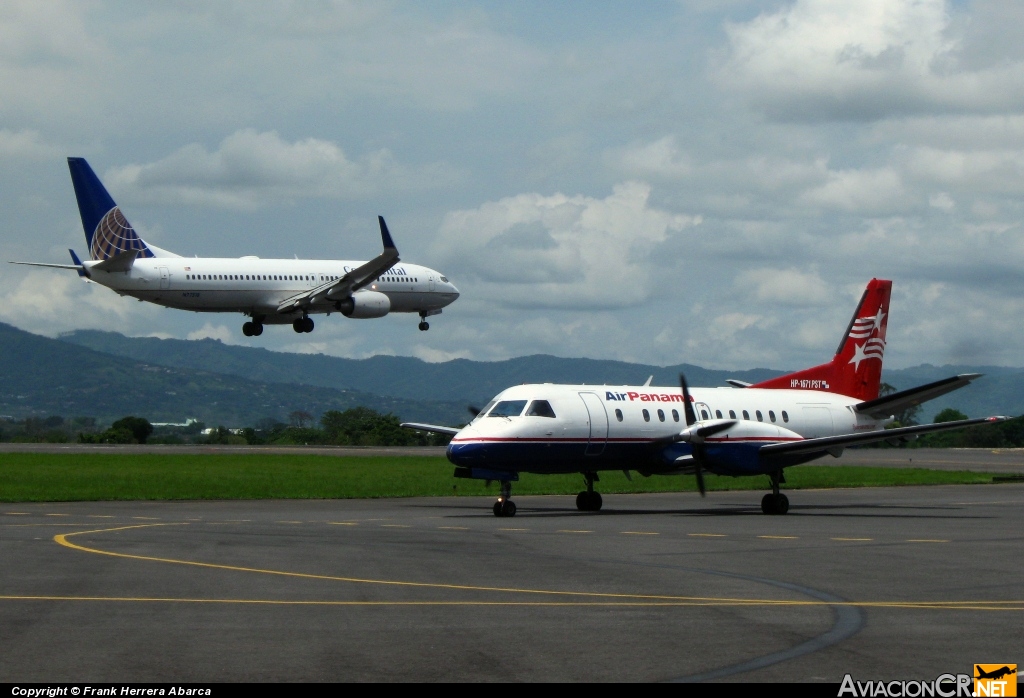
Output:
x=643 y=397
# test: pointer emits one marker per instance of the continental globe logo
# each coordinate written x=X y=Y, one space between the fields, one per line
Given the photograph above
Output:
x=114 y=235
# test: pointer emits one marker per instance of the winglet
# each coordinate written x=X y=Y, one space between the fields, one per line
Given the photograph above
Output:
x=78 y=263
x=389 y=244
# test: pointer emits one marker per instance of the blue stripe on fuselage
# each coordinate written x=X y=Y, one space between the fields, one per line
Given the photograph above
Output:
x=562 y=456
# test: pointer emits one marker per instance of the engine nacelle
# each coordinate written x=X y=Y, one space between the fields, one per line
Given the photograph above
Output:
x=364 y=304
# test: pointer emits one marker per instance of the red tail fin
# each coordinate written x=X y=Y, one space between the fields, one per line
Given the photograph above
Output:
x=856 y=369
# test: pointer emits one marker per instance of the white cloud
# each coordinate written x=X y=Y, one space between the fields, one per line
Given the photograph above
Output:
x=25 y=144
x=785 y=286
x=942 y=201
x=561 y=251
x=212 y=331
x=51 y=302
x=251 y=169
x=831 y=59
x=865 y=191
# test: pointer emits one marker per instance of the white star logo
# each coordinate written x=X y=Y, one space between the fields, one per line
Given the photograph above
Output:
x=879 y=316
x=858 y=355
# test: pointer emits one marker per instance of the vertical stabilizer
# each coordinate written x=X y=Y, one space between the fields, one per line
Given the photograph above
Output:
x=856 y=369
x=107 y=231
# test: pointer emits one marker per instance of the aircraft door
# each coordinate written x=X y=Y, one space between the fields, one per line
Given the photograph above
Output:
x=313 y=283
x=702 y=411
x=432 y=288
x=815 y=422
x=165 y=278
x=598 y=420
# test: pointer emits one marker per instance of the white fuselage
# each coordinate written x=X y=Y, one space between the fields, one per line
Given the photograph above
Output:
x=258 y=286
x=599 y=427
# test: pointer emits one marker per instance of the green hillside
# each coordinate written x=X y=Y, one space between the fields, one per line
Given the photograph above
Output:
x=461 y=381
x=42 y=376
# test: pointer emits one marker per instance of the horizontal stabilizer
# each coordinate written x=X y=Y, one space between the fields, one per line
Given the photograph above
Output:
x=831 y=443
x=78 y=267
x=122 y=261
x=738 y=383
x=888 y=405
x=450 y=431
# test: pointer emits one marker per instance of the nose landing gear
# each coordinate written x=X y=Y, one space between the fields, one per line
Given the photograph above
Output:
x=505 y=506
x=589 y=500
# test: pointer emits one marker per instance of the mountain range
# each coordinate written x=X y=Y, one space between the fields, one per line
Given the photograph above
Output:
x=108 y=375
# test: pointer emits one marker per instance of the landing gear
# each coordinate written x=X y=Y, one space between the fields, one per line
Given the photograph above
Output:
x=775 y=502
x=505 y=506
x=589 y=500
x=424 y=325
x=252 y=329
x=303 y=324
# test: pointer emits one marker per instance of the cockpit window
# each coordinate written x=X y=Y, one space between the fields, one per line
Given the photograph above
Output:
x=444 y=279
x=483 y=412
x=540 y=408
x=508 y=408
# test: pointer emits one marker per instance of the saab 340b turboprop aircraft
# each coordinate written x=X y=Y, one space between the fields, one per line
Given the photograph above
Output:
x=742 y=430
x=270 y=291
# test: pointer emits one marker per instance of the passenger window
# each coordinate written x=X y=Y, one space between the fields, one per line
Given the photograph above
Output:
x=759 y=417
x=732 y=414
x=647 y=416
x=618 y=414
x=704 y=414
x=771 y=415
x=540 y=408
x=785 y=417
x=746 y=415
x=718 y=414
x=675 y=415
x=661 y=415
x=508 y=408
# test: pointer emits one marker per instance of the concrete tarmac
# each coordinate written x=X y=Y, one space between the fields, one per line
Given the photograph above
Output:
x=881 y=583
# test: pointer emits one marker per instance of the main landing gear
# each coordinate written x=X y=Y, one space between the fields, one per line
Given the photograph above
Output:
x=589 y=500
x=252 y=329
x=775 y=502
x=505 y=506
x=303 y=324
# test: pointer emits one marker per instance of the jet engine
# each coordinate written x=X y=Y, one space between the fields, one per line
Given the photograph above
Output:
x=364 y=304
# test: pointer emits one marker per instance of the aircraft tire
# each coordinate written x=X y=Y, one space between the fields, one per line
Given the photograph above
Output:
x=581 y=502
x=782 y=504
x=596 y=501
x=768 y=504
x=508 y=508
x=257 y=329
x=497 y=509
x=247 y=329
x=299 y=326
x=307 y=324
x=424 y=326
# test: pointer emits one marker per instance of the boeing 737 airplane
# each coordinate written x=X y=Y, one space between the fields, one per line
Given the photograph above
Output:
x=741 y=430
x=269 y=291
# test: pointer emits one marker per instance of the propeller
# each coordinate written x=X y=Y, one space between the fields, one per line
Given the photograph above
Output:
x=695 y=437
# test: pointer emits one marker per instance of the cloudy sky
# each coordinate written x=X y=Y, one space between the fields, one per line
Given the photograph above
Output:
x=705 y=181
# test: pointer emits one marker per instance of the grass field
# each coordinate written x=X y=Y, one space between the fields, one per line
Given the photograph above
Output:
x=39 y=477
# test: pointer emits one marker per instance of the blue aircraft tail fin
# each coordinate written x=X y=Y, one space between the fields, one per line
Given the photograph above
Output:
x=81 y=268
x=107 y=231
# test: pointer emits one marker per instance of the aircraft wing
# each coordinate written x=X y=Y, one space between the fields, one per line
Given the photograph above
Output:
x=888 y=405
x=836 y=444
x=363 y=275
x=450 y=431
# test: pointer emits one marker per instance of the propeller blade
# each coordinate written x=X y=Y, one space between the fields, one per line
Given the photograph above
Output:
x=691 y=416
x=712 y=429
x=698 y=472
